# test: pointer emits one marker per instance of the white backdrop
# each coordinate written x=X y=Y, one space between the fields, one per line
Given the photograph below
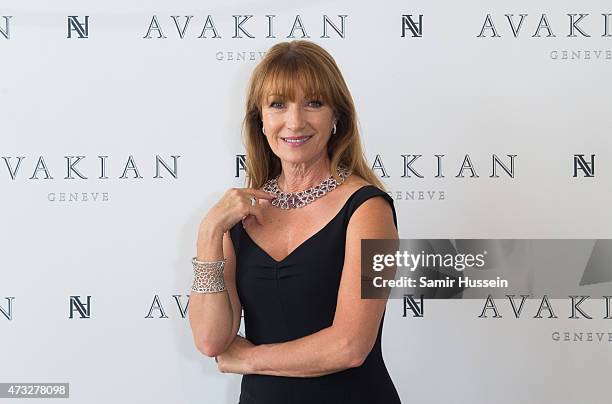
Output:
x=116 y=93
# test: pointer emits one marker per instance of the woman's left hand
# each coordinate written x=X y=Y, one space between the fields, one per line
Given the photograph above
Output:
x=236 y=359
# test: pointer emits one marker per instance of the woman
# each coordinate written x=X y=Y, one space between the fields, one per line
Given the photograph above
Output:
x=291 y=259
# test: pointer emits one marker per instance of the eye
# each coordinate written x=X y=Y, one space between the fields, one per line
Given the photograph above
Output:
x=315 y=104
x=277 y=104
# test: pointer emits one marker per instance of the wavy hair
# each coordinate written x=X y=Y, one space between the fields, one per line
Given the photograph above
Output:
x=284 y=67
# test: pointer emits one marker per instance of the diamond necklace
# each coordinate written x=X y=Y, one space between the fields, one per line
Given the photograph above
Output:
x=300 y=199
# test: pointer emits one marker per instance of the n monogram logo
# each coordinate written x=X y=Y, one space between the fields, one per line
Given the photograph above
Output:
x=84 y=309
x=417 y=308
x=80 y=28
x=416 y=28
x=588 y=168
x=240 y=164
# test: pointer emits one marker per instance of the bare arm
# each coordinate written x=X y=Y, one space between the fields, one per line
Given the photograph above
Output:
x=215 y=317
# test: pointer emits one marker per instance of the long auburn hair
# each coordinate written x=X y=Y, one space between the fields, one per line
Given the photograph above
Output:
x=284 y=67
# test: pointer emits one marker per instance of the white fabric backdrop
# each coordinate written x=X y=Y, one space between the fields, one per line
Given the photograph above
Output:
x=117 y=94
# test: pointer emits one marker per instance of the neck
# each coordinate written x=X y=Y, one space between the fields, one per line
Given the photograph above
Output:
x=298 y=177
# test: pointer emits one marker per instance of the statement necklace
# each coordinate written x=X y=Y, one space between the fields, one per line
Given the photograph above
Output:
x=300 y=199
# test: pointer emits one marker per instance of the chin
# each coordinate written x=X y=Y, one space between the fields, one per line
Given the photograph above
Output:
x=295 y=159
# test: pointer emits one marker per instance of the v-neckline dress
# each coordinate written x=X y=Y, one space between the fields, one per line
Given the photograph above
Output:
x=295 y=297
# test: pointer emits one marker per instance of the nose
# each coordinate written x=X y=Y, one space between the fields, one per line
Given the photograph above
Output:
x=295 y=118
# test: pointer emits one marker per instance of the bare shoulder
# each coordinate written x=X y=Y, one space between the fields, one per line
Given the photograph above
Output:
x=354 y=182
x=373 y=218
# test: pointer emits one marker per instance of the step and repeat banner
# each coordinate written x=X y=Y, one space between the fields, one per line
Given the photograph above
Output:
x=489 y=123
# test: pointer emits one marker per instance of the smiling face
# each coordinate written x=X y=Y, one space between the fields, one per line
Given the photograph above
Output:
x=297 y=129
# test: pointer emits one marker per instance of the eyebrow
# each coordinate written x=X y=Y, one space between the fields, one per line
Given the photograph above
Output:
x=306 y=97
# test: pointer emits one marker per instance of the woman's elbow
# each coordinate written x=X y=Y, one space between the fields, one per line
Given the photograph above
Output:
x=355 y=353
x=356 y=359
x=210 y=348
x=208 y=343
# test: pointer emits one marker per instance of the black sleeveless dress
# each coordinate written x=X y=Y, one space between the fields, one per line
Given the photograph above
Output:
x=289 y=299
